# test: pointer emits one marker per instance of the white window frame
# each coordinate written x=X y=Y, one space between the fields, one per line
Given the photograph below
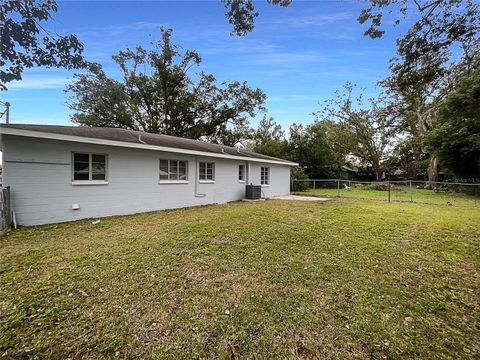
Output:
x=90 y=181
x=265 y=176
x=173 y=181
x=243 y=173
x=205 y=180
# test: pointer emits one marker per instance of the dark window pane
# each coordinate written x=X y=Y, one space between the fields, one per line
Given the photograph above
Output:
x=210 y=171
x=98 y=171
x=241 y=172
x=80 y=166
x=163 y=169
x=98 y=158
x=80 y=171
x=173 y=170
x=264 y=175
x=98 y=167
x=80 y=157
x=182 y=170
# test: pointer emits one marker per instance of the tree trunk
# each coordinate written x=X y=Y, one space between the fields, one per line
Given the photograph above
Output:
x=433 y=168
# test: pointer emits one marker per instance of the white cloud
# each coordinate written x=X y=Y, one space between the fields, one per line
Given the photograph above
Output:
x=312 y=20
x=39 y=82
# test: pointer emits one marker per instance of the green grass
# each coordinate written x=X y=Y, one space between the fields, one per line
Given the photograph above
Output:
x=341 y=279
x=401 y=193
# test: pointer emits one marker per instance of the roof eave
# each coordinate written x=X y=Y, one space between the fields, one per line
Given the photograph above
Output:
x=98 y=141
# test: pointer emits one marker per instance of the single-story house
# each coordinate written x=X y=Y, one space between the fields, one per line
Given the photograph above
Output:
x=63 y=173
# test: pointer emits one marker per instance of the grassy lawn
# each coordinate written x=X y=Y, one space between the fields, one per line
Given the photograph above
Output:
x=401 y=193
x=341 y=279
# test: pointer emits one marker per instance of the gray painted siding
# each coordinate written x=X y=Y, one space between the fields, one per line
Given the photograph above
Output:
x=39 y=173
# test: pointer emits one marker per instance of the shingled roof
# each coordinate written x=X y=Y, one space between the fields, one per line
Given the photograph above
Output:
x=139 y=138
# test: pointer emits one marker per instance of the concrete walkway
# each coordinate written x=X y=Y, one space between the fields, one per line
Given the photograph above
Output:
x=300 y=198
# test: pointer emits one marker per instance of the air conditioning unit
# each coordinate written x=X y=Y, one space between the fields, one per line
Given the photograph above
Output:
x=253 y=192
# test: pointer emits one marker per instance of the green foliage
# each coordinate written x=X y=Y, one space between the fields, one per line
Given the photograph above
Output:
x=159 y=95
x=456 y=134
x=439 y=25
x=25 y=43
x=313 y=148
x=441 y=43
x=241 y=14
x=410 y=156
x=364 y=130
x=275 y=148
x=298 y=178
x=269 y=139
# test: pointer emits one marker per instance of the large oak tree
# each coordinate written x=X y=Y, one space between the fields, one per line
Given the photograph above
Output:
x=456 y=133
x=364 y=129
x=160 y=93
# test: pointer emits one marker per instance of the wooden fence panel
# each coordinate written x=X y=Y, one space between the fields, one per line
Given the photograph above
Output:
x=5 y=211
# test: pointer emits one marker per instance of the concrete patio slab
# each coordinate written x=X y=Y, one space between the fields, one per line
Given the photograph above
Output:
x=300 y=198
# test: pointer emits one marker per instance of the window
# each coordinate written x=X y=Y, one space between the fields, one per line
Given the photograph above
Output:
x=241 y=173
x=173 y=170
x=89 y=167
x=265 y=176
x=207 y=171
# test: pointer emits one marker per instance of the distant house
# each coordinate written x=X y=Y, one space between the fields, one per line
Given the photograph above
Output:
x=63 y=173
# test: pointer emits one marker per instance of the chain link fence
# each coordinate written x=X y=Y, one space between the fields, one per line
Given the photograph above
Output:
x=445 y=193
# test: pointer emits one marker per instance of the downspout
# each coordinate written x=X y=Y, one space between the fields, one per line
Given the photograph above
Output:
x=197 y=194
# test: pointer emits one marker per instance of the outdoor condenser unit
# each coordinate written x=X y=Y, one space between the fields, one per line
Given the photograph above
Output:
x=253 y=192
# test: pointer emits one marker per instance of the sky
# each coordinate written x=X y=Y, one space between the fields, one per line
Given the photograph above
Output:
x=297 y=55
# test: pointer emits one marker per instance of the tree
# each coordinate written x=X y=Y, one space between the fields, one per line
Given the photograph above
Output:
x=242 y=14
x=440 y=24
x=427 y=61
x=298 y=179
x=25 y=43
x=269 y=139
x=313 y=149
x=405 y=156
x=267 y=130
x=456 y=133
x=366 y=132
x=158 y=94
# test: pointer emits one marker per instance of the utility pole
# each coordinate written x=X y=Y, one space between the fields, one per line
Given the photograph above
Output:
x=7 y=112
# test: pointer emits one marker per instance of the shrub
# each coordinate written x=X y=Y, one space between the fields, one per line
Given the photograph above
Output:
x=297 y=173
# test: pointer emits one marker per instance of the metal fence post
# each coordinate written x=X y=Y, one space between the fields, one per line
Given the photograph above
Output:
x=314 y=184
x=411 y=191
x=389 y=188
x=338 y=188
x=476 y=194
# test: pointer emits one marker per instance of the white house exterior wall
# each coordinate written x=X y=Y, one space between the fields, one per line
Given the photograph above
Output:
x=39 y=173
